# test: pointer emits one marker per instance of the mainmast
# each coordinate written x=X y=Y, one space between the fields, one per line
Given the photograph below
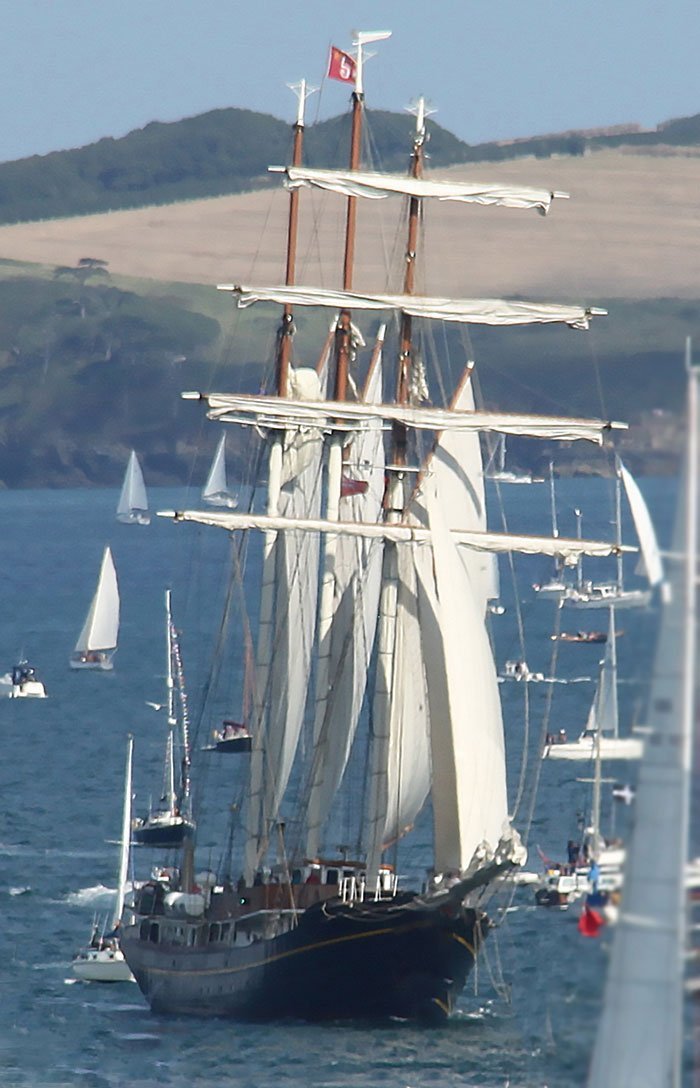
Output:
x=400 y=432
x=344 y=331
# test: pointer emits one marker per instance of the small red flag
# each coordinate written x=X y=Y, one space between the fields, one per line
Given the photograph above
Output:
x=591 y=922
x=341 y=66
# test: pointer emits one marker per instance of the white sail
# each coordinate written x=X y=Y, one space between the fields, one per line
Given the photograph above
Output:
x=639 y=1038
x=288 y=617
x=468 y=754
x=376 y=186
x=481 y=311
x=216 y=490
x=125 y=842
x=133 y=504
x=456 y=464
x=271 y=412
x=603 y=715
x=101 y=627
x=650 y=557
x=349 y=640
x=400 y=754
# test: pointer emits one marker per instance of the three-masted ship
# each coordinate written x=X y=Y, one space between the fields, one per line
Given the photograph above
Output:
x=377 y=574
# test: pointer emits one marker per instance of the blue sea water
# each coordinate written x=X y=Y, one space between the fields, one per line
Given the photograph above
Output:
x=528 y=1015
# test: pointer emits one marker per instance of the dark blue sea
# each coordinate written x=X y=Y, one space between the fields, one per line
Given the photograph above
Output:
x=529 y=1013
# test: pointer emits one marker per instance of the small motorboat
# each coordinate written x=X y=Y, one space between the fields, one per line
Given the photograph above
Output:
x=22 y=683
x=232 y=737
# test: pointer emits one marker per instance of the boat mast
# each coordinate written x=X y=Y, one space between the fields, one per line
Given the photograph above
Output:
x=172 y=720
x=579 y=562
x=126 y=834
x=618 y=524
x=394 y=501
x=256 y=831
x=343 y=344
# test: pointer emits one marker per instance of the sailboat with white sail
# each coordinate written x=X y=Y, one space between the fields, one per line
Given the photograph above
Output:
x=170 y=822
x=640 y=1033
x=132 y=508
x=601 y=735
x=97 y=641
x=402 y=581
x=591 y=594
x=102 y=960
x=216 y=491
x=498 y=473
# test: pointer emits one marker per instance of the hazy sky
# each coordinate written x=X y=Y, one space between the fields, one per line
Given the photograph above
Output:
x=75 y=70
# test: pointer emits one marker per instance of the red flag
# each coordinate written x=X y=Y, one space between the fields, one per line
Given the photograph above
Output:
x=341 y=66
x=591 y=922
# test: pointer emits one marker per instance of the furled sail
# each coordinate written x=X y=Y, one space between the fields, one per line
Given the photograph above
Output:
x=282 y=412
x=402 y=533
x=468 y=753
x=650 y=557
x=348 y=642
x=483 y=311
x=101 y=627
x=379 y=186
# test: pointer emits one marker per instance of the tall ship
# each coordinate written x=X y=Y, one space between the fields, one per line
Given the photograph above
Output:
x=372 y=651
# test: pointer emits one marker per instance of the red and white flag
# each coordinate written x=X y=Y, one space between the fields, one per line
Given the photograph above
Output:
x=341 y=66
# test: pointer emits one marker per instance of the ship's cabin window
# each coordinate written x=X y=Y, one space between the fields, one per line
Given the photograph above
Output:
x=192 y=937
x=296 y=876
x=331 y=876
x=225 y=928
x=153 y=933
x=214 y=932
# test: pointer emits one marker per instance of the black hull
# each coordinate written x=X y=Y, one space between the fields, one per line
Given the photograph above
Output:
x=357 y=962
x=162 y=838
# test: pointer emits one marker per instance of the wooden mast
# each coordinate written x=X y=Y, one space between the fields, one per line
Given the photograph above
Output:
x=274 y=487
x=284 y=353
x=399 y=431
x=343 y=343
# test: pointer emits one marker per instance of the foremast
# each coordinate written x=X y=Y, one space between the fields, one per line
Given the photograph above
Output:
x=262 y=772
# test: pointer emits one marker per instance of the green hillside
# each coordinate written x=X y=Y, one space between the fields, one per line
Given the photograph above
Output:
x=229 y=150
x=91 y=365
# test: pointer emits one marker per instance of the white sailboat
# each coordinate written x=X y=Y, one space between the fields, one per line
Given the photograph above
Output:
x=132 y=508
x=216 y=491
x=170 y=822
x=640 y=1033
x=603 y=594
x=556 y=587
x=102 y=960
x=97 y=641
x=311 y=931
x=500 y=474
x=601 y=735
